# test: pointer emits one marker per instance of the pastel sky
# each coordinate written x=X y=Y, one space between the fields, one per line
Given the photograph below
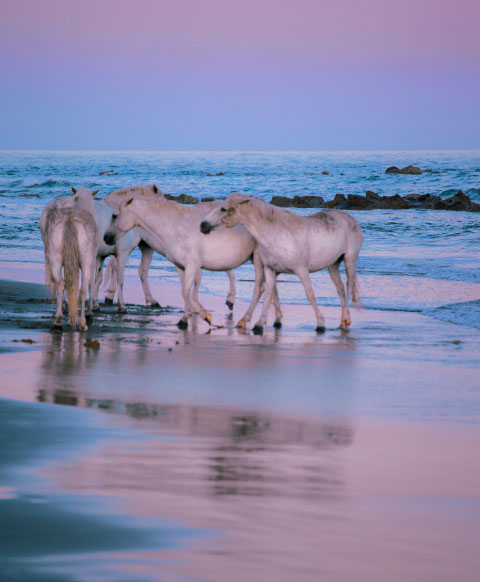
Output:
x=249 y=75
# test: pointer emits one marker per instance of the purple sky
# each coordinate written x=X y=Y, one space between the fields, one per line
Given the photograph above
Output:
x=216 y=74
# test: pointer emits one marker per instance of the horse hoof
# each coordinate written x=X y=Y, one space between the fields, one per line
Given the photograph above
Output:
x=122 y=310
x=277 y=325
x=229 y=305
x=320 y=329
x=182 y=324
x=96 y=308
x=257 y=329
x=345 y=324
x=108 y=301
x=155 y=305
x=208 y=318
x=57 y=328
x=89 y=318
x=241 y=324
x=83 y=327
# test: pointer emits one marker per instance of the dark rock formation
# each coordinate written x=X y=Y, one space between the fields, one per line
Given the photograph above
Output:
x=459 y=201
x=208 y=199
x=433 y=203
x=338 y=202
x=182 y=199
x=406 y=170
x=358 y=202
x=282 y=201
x=307 y=202
x=395 y=202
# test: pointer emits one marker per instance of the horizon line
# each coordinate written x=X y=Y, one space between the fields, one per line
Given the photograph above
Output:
x=213 y=151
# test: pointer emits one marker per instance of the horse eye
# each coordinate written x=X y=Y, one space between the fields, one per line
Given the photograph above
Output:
x=223 y=209
x=114 y=216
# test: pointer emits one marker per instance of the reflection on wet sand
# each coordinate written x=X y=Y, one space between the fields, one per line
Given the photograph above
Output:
x=236 y=451
x=292 y=496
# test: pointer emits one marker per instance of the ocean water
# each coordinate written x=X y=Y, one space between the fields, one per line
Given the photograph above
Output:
x=411 y=260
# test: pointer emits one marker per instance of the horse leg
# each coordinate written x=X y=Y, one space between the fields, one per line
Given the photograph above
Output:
x=196 y=285
x=276 y=302
x=304 y=277
x=183 y=323
x=232 y=291
x=270 y=277
x=98 y=281
x=147 y=255
x=59 y=314
x=90 y=287
x=189 y=276
x=334 y=271
x=352 y=285
x=121 y=262
x=257 y=289
x=110 y=281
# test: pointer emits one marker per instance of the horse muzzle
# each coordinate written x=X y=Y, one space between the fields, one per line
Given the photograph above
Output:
x=109 y=238
x=206 y=227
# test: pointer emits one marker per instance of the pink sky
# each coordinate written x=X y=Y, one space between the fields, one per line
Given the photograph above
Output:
x=282 y=50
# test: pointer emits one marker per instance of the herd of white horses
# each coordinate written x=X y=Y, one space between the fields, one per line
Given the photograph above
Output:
x=80 y=232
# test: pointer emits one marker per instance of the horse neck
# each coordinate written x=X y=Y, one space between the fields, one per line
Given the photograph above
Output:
x=87 y=203
x=161 y=219
x=261 y=220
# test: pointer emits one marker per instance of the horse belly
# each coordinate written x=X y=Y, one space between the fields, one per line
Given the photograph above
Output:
x=226 y=249
x=322 y=256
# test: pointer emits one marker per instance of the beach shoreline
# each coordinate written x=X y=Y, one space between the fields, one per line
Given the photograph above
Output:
x=359 y=444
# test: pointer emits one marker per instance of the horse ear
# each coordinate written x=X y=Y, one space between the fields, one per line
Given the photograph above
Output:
x=74 y=190
x=244 y=201
x=155 y=189
x=129 y=202
x=95 y=192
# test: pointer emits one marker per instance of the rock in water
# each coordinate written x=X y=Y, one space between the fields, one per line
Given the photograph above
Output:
x=407 y=170
x=307 y=202
x=282 y=201
x=392 y=203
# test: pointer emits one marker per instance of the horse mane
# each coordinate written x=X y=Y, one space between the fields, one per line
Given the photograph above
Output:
x=150 y=191
x=162 y=202
x=271 y=213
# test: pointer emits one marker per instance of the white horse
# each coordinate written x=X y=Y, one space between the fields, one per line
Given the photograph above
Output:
x=82 y=197
x=289 y=243
x=173 y=230
x=124 y=246
x=121 y=250
x=71 y=238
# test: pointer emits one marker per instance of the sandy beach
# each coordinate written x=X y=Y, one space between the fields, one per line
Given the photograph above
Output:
x=214 y=454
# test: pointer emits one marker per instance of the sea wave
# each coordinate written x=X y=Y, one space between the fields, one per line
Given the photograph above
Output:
x=49 y=183
x=465 y=313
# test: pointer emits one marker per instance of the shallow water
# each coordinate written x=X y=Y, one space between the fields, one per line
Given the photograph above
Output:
x=411 y=260
x=288 y=456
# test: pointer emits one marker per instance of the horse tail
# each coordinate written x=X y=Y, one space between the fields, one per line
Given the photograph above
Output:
x=49 y=280
x=353 y=290
x=71 y=267
x=110 y=279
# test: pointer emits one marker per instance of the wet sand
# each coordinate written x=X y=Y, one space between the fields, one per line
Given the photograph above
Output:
x=228 y=456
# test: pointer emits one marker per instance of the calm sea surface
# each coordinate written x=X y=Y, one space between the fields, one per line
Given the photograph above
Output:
x=411 y=260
